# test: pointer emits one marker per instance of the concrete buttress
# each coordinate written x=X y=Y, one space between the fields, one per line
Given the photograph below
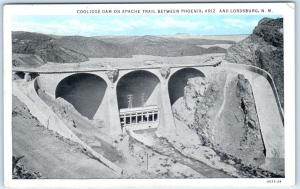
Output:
x=114 y=120
x=167 y=124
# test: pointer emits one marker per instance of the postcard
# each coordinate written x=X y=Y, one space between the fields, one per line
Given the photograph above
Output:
x=148 y=95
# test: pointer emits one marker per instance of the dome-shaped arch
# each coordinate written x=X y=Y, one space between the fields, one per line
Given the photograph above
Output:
x=84 y=91
x=178 y=81
x=142 y=85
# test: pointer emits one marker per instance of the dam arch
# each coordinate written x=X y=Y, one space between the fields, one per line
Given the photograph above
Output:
x=178 y=81
x=85 y=91
x=138 y=96
x=142 y=84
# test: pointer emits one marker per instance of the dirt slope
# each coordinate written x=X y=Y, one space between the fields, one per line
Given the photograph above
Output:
x=49 y=153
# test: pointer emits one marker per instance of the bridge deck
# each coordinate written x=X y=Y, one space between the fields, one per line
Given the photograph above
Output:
x=136 y=62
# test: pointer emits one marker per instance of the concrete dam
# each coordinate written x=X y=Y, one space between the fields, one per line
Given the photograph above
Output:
x=106 y=94
x=142 y=97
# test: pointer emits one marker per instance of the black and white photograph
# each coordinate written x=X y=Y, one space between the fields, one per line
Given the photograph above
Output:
x=171 y=92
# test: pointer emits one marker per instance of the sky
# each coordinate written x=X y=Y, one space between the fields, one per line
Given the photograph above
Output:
x=99 y=25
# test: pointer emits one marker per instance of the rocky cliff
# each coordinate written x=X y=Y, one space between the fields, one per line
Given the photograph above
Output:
x=264 y=49
x=222 y=112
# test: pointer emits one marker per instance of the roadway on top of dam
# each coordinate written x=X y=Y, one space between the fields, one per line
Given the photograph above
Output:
x=133 y=63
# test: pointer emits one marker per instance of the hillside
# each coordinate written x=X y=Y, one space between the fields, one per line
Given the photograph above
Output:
x=167 y=46
x=263 y=48
x=42 y=46
x=92 y=47
x=34 y=49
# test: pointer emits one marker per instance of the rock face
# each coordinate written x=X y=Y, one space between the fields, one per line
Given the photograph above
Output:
x=251 y=139
x=226 y=122
x=184 y=108
x=264 y=49
x=192 y=108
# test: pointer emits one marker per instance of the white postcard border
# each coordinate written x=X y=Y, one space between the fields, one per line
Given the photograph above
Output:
x=284 y=9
